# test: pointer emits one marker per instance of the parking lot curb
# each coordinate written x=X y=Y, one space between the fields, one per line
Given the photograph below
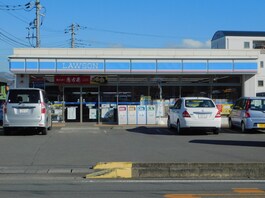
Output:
x=129 y=170
x=111 y=170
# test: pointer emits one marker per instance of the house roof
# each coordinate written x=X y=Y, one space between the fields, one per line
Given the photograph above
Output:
x=221 y=33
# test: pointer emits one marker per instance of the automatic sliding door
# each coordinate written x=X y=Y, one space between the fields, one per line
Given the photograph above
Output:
x=72 y=104
x=90 y=104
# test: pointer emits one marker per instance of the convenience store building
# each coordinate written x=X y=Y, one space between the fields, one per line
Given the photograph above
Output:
x=87 y=85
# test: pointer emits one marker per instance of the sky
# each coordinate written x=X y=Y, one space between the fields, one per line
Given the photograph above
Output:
x=124 y=23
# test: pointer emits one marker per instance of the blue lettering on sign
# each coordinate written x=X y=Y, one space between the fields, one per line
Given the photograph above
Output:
x=79 y=65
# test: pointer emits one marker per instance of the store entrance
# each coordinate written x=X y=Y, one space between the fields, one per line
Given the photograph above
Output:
x=81 y=104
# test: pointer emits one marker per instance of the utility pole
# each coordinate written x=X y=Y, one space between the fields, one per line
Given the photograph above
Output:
x=37 y=23
x=72 y=30
x=73 y=35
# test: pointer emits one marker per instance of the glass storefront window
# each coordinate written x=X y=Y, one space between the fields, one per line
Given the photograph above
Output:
x=226 y=94
x=196 y=91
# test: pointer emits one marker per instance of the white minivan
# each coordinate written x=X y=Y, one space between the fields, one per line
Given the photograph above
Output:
x=26 y=108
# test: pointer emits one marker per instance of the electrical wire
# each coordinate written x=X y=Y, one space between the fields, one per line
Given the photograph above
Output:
x=11 y=41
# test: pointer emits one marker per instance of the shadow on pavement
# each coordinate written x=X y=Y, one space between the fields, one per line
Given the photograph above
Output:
x=164 y=131
x=231 y=143
x=22 y=132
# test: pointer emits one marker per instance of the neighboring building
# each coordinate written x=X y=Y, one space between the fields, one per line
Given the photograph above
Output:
x=88 y=81
x=248 y=40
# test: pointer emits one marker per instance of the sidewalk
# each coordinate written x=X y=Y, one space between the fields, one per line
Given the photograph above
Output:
x=115 y=125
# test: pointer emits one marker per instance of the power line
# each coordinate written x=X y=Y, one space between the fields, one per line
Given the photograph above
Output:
x=11 y=41
x=27 y=7
x=131 y=33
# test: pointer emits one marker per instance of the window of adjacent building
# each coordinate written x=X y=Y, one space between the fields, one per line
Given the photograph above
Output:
x=260 y=83
x=261 y=64
x=259 y=44
x=246 y=45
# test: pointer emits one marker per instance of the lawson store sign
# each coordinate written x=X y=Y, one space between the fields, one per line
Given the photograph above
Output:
x=131 y=66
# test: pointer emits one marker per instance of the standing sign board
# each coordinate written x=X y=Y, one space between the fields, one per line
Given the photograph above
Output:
x=141 y=114
x=131 y=114
x=151 y=114
x=122 y=114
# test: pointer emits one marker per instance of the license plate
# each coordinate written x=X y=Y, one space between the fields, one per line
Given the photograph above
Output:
x=261 y=125
x=23 y=111
x=202 y=116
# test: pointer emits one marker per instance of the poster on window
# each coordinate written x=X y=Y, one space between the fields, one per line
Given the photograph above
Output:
x=93 y=114
x=71 y=113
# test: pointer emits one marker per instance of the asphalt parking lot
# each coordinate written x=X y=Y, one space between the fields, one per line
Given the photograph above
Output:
x=75 y=148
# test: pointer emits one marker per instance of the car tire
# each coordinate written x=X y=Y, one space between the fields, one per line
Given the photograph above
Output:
x=216 y=131
x=7 y=131
x=178 y=129
x=44 y=131
x=231 y=126
x=243 y=127
x=50 y=127
x=169 y=126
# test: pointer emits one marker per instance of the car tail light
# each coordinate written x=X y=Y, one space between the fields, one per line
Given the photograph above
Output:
x=247 y=105
x=43 y=108
x=218 y=115
x=185 y=114
x=247 y=114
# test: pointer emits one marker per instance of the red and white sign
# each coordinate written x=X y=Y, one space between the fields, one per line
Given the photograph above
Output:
x=72 y=79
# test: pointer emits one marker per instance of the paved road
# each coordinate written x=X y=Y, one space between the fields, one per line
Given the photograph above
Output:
x=29 y=186
x=54 y=165
x=80 y=147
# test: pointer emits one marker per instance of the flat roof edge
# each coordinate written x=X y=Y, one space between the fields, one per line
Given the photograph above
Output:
x=122 y=53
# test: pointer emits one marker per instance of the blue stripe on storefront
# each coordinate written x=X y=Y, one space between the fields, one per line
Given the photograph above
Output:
x=169 y=66
x=47 y=66
x=143 y=66
x=127 y=67
x=245 y=66
x=222 y=66
x=32 y=66
x=195 y=66
x=117 y=66
x=17 y=66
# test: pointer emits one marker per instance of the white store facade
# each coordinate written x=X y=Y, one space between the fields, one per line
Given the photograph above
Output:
x=88 y=85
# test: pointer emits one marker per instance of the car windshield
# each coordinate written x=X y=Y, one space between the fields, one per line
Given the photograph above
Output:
x=257 y=104
x=199 y=103
x=24 y=96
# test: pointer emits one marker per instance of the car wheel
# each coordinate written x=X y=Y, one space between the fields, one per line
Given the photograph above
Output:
x=44 y=131
x=168 y=123
x=7 y=131
x=231 y=126
x=243 y=127
x=216 y=131
x=50 y=127
x=178 y=128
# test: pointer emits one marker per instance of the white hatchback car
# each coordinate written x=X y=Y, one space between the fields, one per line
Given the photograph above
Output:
x=194 y=112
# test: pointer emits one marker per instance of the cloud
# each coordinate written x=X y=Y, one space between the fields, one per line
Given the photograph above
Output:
x=191 y=44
